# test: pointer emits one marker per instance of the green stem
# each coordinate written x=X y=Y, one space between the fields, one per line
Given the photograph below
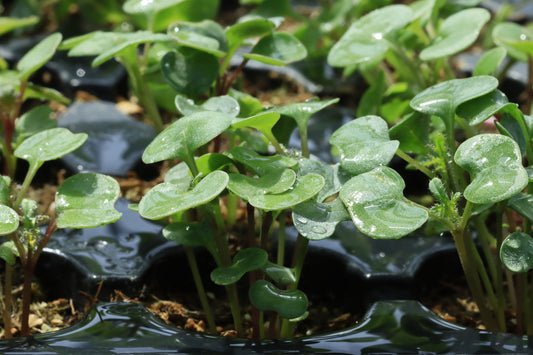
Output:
x=415 y=163
x=281 y=238
x=32 y=170
x=261 y=325
x=8 y=300
x=305 y=142
x=200 y=289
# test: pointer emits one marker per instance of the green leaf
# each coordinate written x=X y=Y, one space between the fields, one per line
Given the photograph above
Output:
x=210 y=162
x=206 y=36
x=141 y=7
x=365 y=40
x=490 y=61
x=263 y=122
x=364 y=144
x=456 y=33
x=5 y=181
x=516 y=252
x=166 y=199
x=303 y=189
x=181 y=139
x=191 y=234
x=332 y=174
x=9 y=220
x=443 y=99
x=495 y=166
x=317 y=221
x=87 y=201
x=523 y=204
x=261 y=164
x=516 y=39
x=49 y=145
x=38 y=56
x=34 y=121
x=274 y=182
x=8 y=24
x=225 y=104
x=180 y=176
x=240 y=31
x=280 y=274
x=278 y=48
x=412 y=133
x=484 y=107
x=245 y=260
x=189 y=71
x=377 y=206
x=8 y=252
x=267 y=297
x=42 y=93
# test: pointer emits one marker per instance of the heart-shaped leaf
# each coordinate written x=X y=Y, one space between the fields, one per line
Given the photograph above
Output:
x=9 y=220
x=443 y=99
x=317 y=221
x=364 y=144
x=49 y=145
x=87 y=201
x=206 y=36
x=191 y=234
x=278 y=48
x=495 y=166
x=288 y=304
x=181 y=139
x=456 y=33
x=261 y=164
x=281 y=275
x=332 y=174
x=365 y=39
x=516 y=39
x=516 y=252
x=166 y=199
x=38 y=56
x=378 y=208
x=225 y=104
x=245 y=260
x=303 y=189
x=189 y=71
x=275 y=182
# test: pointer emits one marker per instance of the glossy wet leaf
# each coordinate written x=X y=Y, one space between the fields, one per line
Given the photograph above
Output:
x=140 y=7
x=207 y=36
x=275 y=182
x=36 y=57
x=443 y=99
x=364 y=144
x=263 y=122
x=225 y=104
x=86 y=201
x=456 y=33
x=377 y=206
x=210 y=162
x=49 y=145
x=189 y=71
x=301 y=112
x=516 y=252
x=332 y=174
x=245 y=260
x=166 y=199
x=281 y=275
x=8 y=24
x=288 y=304
x=304 y=188
x=484 y=107
x=490 y=61
x=9 y=220
x=261 y=164
x=495 y=166
x=182 y=138
x=523 y=204
x=34 y=121
x=180 y=176
x=512 y=124
x=412 y=133
x=241 y=31
x=316 y=221
x=516 y=39
x=278 y=48
x=5 y=181
x=191 y=234
x=365 y=40
x=8 y=252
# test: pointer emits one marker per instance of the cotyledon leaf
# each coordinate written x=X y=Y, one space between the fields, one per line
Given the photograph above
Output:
x=191 y=234
x=377 y=206
x=166 y=199
x=261 y=164
x=316 y=221
x=245 y=260
x=516 y=252
x=267 y=297
x=275 y=182
x=494 y=162
x=9 y=220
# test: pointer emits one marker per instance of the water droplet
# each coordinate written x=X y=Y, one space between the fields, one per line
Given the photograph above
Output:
x=319 y=230
x=302 y=220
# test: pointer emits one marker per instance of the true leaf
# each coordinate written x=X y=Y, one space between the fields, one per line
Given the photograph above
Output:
x=364 y=144
x=278 y=48
x=263 y=122
x=267 y=297
x=516 y=252
x=495 y=166
x=456 y=33
x=49 y=145
x=245 y=260
x=38 y=56
x=87 y=201
x=166 y=199
x=377 y=206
